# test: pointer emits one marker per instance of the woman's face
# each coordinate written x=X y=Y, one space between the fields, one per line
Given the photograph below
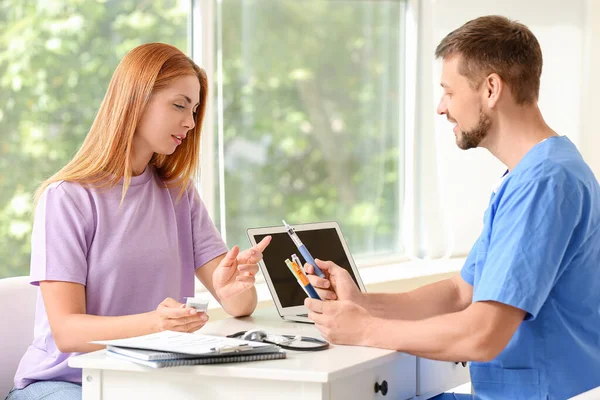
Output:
x=168 y=118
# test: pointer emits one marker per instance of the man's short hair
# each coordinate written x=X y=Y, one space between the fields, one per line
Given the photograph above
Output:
x=495 y=44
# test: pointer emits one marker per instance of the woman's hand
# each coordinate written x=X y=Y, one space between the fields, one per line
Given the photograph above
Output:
x=170 y=315
x=235 y=273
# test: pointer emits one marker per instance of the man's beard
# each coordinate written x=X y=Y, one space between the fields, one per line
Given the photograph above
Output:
x=471 y=139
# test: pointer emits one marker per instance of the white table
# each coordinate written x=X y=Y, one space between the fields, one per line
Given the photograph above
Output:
x=593 y=394
x=340 y=372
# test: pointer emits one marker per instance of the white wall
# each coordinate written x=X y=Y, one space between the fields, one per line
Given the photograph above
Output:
x=455 y=185
x=590 y=110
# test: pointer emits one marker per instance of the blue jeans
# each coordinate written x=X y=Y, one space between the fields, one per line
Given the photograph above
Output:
x=47 y=390
x=453 y=396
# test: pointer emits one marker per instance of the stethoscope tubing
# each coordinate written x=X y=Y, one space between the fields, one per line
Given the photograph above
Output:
x=322 y=344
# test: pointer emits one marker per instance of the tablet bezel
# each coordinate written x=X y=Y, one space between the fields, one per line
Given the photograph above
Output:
x=298 y=310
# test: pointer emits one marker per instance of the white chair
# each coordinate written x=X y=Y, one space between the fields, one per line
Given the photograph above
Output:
x=17 y=312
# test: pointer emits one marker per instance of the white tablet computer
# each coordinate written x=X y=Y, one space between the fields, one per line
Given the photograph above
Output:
x=324 y=240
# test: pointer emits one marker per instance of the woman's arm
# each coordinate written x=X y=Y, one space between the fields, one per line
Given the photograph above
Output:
x=72 y=328
x=240 y=305
x=230 y=278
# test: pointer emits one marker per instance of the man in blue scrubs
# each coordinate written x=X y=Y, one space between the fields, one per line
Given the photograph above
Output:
x=525 y=308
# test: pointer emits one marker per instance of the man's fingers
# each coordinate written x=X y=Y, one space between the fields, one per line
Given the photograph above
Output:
x=326 y=294
x=314 y=305
x=319 y=282
x=322 y=287
x=318 y=319
x=324 y=265
x=309 y=269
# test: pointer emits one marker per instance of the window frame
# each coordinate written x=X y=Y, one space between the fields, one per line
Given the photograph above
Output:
x=202 y=50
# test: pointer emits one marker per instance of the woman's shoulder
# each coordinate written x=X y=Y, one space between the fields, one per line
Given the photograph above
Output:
x=68 y=193
x=66 y=188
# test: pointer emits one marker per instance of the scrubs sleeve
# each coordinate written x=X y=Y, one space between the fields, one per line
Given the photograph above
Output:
x=467 y=272
x=531 y=232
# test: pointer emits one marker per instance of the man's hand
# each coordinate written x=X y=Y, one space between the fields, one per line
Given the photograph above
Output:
x=341 y=322
x=338 y=283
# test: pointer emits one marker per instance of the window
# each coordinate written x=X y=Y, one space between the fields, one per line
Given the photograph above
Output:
x=308 y=123
x=56 y=59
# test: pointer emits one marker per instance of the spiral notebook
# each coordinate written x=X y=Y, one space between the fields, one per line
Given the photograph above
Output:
x=155 y=359
x=165 y=349
x=190 y=343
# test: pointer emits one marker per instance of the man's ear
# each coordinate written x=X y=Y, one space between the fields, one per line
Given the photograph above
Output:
x=494 y=87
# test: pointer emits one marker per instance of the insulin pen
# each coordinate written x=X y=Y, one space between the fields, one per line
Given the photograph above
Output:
x=303 y=250
x=291 y=268
x=302 y=279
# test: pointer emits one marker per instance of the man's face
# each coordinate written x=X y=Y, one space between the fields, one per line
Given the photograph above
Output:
x=463 y=106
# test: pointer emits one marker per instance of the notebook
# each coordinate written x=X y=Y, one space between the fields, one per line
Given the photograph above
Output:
x=153 y=355
x=190 y=344
x=155 y=360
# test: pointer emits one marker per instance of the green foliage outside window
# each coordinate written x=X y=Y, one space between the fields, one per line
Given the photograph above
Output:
x=312 y=124
x=56 y=59
x=311 y=107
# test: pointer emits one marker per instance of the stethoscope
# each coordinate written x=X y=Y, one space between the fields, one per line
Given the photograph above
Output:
x=257 y=335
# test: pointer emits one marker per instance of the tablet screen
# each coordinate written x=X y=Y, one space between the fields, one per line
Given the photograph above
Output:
x=323 y=244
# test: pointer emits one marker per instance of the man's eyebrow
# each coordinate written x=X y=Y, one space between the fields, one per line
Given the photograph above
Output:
x=187 y=99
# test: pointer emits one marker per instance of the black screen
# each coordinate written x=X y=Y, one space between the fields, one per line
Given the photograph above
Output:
x=323 y=244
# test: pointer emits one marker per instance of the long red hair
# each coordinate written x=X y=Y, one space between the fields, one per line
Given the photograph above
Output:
x=106 y=154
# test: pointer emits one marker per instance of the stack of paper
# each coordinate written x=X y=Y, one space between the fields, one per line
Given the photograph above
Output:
x=168 y=348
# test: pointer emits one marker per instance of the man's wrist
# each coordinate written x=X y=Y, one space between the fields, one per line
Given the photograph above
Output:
x=375 y=333
x=370 y=333
x=361 y=300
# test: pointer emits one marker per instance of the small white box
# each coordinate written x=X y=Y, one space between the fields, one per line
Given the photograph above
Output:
x=199 y=304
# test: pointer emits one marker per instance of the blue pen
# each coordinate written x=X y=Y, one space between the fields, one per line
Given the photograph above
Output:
x=303 y=250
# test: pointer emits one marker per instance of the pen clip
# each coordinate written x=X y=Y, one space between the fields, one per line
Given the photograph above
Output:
x=296 y=259
x=231 y=348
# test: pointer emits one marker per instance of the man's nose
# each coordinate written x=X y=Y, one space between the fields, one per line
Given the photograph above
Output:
x=441 y=108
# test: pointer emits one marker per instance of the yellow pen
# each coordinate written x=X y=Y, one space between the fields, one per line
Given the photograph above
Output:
x=291 y=268
x=302 y=279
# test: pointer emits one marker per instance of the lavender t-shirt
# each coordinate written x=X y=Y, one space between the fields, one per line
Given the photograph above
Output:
x=130 y=257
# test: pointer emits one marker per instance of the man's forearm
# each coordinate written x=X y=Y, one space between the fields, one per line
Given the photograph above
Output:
x=448 y=337
x=241 y=305
x=434 y=299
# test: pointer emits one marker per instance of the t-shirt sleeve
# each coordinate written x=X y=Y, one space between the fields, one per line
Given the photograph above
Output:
x=208 y=243
x=60 y=239
x=531 y=234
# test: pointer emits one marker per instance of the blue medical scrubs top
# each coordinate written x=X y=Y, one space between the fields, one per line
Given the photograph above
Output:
x=540 y=251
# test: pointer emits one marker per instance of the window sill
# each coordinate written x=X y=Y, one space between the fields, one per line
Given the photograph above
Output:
x=370 y=276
